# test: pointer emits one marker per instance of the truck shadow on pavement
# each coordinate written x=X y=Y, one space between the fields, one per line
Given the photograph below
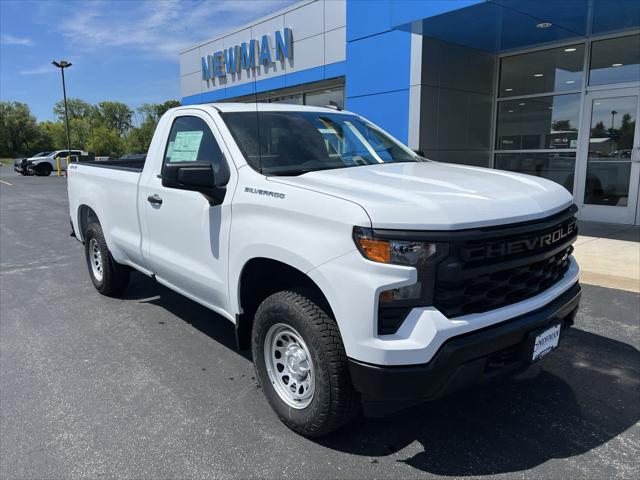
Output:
x=578 y=398
x=145 y=290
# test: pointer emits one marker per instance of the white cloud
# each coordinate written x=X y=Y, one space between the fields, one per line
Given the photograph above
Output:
x=161 y=28
x=7 y=39
x=38 y=71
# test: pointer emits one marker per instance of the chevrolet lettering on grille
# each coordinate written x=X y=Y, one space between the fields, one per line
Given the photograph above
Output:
x=521 y=245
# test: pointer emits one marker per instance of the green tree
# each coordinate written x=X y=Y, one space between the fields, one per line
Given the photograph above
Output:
x=562 y=126
x=116 y=116
x=599 y=130
x=150 y=112
x=51 y=136
x=163 y=107
x=18 y=129
x=106 y=129
x=155 y=110
x=627 y=129
x=78 y=108
x=106 y=141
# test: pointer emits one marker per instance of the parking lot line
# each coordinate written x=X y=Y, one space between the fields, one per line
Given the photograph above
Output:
x=7 y=183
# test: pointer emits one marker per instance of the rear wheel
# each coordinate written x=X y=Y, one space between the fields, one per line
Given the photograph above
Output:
x=108 y=276
x=301 y=364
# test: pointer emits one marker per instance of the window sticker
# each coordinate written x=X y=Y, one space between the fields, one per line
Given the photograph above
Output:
x=169 y=150
x=186 y=146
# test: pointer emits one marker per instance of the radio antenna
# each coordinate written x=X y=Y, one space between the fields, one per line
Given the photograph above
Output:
x=255 y=96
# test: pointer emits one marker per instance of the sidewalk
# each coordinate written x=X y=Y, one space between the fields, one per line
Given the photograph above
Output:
x=609 y=255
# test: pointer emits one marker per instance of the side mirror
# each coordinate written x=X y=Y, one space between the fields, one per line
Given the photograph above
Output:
x=196 y=177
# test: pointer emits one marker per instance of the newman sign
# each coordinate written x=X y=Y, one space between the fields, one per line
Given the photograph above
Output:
x=247 y=55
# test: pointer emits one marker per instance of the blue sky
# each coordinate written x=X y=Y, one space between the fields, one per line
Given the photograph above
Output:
x=122 y=50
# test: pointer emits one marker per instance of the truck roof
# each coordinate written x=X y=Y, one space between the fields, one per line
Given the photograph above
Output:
x=263 y=107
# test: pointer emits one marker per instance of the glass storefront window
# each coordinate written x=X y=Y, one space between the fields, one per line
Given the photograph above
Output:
x=554 y=70
x=613 y=122
x=538 y=123
x=322 y=98
x=295 y=99
x=616 y=60
x=556 y=166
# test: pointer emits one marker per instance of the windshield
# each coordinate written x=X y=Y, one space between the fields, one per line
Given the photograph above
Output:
x=42 y=154
x=293 y=143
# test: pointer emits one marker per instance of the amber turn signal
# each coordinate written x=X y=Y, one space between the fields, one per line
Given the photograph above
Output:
x=376 y=250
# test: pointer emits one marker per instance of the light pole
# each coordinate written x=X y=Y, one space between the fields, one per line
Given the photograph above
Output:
x=62 y=65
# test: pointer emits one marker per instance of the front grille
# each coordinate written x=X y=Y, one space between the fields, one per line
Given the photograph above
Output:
x=504 y=287
x=493 y=271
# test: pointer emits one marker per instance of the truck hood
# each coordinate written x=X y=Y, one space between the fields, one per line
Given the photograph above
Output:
x=438 y=196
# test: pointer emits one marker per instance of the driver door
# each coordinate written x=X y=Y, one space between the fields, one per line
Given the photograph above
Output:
x=187 y=238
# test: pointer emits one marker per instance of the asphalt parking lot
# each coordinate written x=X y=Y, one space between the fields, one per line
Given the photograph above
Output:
x=150 y=385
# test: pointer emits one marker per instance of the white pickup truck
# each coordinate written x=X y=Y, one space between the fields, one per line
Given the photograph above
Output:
x=359 y=273
x=43 y=163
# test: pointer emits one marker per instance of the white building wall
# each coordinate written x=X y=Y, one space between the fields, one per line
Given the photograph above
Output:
x=319 y=38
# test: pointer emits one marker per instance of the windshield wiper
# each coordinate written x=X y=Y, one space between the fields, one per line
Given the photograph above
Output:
x=300 y=171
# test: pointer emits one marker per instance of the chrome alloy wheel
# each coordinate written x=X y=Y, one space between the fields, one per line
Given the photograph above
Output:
x=95 y=258
x=289 y=366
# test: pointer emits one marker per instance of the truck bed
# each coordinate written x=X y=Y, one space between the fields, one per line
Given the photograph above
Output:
x=134 y=163
x=111 y=190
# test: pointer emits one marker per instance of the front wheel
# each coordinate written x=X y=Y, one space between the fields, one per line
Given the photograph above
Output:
x=108 y=276
x=44 y=170
x=301 y=364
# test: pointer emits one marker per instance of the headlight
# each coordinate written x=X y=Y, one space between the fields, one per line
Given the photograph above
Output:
x=398 y=252
x=394 y=304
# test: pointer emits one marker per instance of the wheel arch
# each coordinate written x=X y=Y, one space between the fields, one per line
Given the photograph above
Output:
x=86 y=216
x=261 y=277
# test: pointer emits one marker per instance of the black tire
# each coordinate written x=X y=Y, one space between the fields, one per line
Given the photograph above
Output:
x=44 y=170
x=115 y=277
x=334 y=402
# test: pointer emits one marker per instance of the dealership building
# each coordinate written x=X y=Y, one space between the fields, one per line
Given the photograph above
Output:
x=548 y=88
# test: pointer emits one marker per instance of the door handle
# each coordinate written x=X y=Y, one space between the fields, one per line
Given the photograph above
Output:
x=155 y=199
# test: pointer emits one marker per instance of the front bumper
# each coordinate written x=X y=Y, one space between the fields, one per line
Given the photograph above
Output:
x=25 y=168
x=474 y=357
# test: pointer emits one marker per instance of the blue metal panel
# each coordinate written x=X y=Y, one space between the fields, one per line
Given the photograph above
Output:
x=492 y=27
x=477 y=27
x=365 y=18
x=567 y=14
x=380 y=63
x=304 y=76
x=388 y=110
x=212 y=96
x=239 y=90
x=502 y=25
x=518 y=30
x=333 y=70
x=407 y=11
x=191 y=99
x=615 y=15
x=272 y=83
x=309 y=75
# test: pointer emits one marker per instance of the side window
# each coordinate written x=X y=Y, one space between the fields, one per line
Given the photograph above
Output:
x=191 y=140
x=63 y=156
